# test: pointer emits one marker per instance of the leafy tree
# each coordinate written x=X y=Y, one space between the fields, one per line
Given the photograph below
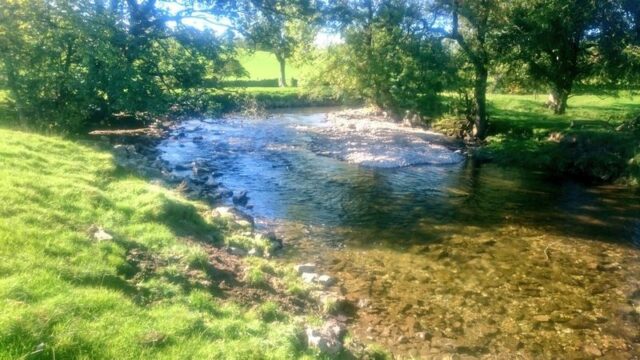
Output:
x=565 y=41
x=388 y=58
x=71 y=64
x=282 y=27
x=473 y=26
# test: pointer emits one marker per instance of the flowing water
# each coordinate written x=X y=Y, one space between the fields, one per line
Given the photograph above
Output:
x=444 y=257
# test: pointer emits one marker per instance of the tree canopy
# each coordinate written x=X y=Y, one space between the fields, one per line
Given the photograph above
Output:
x=72 y=64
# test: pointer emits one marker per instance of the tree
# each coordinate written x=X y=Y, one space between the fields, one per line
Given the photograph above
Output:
x=388 y=58
x=281 y=27
x=71 y=64
x=564 y=41
x=474 y=23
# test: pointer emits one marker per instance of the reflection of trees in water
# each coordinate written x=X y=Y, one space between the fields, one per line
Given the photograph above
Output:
x=497 y=196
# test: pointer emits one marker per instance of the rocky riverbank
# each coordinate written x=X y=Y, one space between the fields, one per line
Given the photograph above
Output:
x=249 y=277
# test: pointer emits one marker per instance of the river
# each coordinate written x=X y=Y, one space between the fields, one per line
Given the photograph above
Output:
x=444 y=256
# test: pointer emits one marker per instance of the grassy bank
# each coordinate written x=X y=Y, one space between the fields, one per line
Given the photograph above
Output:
x=593 y=142
x=150 y=292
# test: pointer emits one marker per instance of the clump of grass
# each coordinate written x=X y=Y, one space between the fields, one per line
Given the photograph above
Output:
x=255 y=277
x=63 y=293
x=197 y=258
x=248 y=242
x=258 y=272
x=270 y=311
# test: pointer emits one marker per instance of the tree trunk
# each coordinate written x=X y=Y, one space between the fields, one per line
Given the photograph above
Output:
x=480 y=98
x=558 y=100
x=282 y=81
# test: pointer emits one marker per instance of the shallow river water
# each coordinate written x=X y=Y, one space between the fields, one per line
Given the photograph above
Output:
x=443 y=256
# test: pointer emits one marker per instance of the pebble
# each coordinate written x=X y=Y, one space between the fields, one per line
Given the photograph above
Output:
x=542 y=318
x=592 y=350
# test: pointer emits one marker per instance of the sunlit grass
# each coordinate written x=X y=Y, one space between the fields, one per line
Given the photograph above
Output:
x=65 y=295
x=523 y=132
x=263 y=65
x=510 y=112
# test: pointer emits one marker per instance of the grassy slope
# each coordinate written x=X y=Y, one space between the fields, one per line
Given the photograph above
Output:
x=66 y=296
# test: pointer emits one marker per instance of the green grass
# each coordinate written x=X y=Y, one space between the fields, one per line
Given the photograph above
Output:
x=583 y=144
x=511 y=113
x=64 y=295
x=263 y=65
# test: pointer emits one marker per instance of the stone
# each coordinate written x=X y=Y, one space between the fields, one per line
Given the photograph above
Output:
x=421 y=335
x=309 y=277
x=325 y=344
x=363 y=303
x=609 y=267
x=211 y=182
x=592 y=350
x=305 y=268
x=274 y=242
x=124 y=150
x=236 y=251
x=98 y=234
x=326 y=280
x=236 y=215
x=326 y=339
x=255 y=252
x=241 y=198
x=542 y=318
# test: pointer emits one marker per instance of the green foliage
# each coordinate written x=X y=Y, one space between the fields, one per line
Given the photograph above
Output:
x=386 y=62
x=66 y=295
x=559 y=43
x=270 y=312
x=70 y=65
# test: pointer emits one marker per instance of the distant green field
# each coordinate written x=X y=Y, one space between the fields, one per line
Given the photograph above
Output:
x=263 y=65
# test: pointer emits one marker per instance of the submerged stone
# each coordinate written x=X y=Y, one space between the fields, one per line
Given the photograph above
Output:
x=305 y=268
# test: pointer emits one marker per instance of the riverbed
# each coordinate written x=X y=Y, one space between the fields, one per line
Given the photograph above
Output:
x=441 y=255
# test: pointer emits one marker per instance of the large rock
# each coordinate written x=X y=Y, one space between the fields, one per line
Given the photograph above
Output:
x=241 y=198
x=305 y=268
x=309 y=277
x=124 y=150
x=327 y=339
